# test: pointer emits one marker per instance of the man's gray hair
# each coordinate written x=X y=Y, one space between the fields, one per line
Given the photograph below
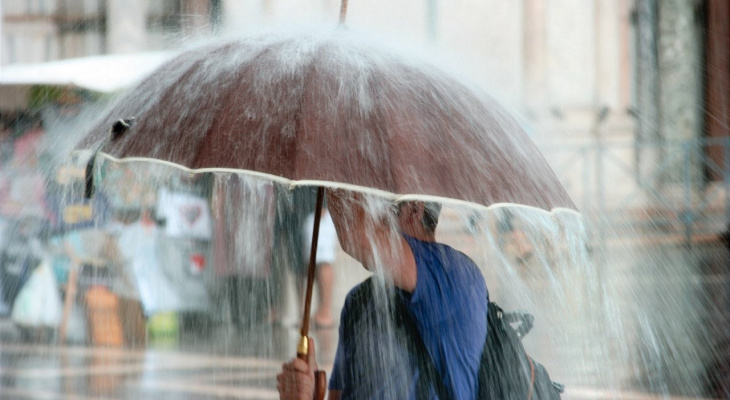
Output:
x=431 y=212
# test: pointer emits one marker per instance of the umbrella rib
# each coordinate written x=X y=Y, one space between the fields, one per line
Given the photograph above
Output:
x=134 y=106
x=298 y=130
x=381 y=125
x=230 y=92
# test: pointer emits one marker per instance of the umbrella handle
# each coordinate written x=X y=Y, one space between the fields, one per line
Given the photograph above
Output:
x=320 y=377
x=320 y=384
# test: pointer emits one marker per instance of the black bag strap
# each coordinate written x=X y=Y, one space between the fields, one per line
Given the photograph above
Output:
x=423 y=357
x=411 y=338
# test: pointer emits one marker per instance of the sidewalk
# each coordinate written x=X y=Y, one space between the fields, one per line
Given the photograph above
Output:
x=641 y=341
x=75 y=373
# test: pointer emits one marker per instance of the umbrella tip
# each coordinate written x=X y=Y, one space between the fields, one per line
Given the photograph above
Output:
x=343 y=12
x=120 y=126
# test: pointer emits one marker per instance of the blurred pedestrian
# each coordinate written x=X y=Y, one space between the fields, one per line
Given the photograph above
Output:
x=326 y=256
x=243 y=213
x=19 y=256
x=291 y=255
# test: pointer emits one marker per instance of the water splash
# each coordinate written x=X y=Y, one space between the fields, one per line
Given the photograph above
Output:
x=610 y=321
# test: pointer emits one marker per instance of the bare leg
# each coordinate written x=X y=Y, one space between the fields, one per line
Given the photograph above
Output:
x=325 y=284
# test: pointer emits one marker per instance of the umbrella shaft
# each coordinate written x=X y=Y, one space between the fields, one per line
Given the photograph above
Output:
x=343 y=11
x=312 y=261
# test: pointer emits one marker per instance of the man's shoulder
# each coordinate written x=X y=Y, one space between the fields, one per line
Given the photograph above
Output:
x=420 y=246
x=454 y=256
x=361 y=292
x=465 y=270
x=356 y=304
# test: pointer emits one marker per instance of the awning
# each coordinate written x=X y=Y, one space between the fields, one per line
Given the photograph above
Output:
x=105 y=74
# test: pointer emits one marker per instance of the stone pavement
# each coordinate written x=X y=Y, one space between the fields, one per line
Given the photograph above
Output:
x=664 y=311
x=43 y=372
x=35 y=371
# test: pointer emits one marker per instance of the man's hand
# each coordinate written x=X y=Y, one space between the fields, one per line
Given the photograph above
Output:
x=296 y=379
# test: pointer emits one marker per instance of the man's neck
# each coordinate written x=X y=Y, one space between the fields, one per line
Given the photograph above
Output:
x=421 y=234
x=397 y=259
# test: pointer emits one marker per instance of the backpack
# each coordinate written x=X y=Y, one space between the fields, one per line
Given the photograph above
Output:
x=505 y=371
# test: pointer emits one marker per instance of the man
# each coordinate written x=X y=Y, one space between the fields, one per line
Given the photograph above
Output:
x=441 y=288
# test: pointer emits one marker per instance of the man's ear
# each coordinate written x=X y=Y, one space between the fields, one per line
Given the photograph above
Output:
x=416 y=211
x=408 y=210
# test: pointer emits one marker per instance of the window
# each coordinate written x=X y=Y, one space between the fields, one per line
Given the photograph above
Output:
x=165 y=16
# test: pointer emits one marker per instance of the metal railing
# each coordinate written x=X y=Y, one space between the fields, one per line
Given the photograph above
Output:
x=678 y=188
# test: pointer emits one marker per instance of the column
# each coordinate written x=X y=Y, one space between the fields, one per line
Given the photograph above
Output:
x=126 y=24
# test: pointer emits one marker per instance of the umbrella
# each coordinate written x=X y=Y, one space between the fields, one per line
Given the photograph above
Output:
x=330 y=110
x=290 y=107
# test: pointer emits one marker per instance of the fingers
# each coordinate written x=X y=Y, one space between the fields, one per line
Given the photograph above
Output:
x=296 y=365
x=295 y=381
x=291 y=379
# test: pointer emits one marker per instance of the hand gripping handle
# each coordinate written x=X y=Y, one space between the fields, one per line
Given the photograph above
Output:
x=320 y=376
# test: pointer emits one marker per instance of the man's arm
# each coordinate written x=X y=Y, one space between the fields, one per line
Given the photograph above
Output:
x=334 y=395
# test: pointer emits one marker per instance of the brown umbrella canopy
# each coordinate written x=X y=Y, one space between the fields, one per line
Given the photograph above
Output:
x=331 y=108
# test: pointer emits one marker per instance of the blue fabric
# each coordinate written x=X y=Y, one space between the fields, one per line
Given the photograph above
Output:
x=449 y=306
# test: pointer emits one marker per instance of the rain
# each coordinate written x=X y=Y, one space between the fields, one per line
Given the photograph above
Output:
x=166 y=167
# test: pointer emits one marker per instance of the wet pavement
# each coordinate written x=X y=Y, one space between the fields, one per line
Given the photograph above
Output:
x=220 y=363
x=71 y=373
x=674 y=343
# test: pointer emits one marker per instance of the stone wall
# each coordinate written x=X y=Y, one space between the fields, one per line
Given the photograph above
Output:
x=680 y=80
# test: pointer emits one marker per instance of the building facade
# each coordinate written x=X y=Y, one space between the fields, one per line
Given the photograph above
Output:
x=627 y=78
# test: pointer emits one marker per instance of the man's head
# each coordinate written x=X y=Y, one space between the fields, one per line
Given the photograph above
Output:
x=419 y=219
x=354 y=223
x=359 y=221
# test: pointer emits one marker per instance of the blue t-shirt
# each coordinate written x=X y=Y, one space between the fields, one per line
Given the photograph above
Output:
x=449 y=306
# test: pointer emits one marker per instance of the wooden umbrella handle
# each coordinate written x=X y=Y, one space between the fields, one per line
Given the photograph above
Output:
x=320 y=384
x=320 y=377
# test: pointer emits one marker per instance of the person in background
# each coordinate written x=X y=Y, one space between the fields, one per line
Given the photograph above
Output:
x=325 y=258
x=292 y=208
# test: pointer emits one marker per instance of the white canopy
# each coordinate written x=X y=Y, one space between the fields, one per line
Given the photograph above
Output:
x=104 y=74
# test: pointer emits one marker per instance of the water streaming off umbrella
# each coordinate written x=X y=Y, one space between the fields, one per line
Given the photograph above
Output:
x=210 y=255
